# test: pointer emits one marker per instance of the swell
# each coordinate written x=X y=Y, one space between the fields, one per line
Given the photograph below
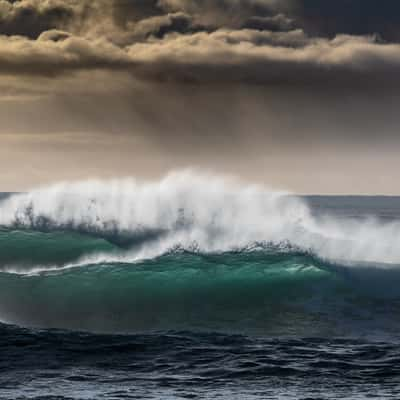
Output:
x=176 y=291
x=253 y=292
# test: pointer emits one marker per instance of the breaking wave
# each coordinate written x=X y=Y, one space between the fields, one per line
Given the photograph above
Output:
x=192 y=252
x=189 y=211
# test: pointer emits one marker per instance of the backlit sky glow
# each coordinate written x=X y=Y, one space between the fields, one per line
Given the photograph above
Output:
x=296 y=94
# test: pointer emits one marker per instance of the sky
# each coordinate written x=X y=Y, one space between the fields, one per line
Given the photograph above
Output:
x=300 y=95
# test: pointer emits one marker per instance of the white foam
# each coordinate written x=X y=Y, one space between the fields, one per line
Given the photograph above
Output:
x=215 y=213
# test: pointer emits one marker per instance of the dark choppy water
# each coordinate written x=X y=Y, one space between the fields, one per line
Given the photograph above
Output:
x=35 y=364
x=112 y=295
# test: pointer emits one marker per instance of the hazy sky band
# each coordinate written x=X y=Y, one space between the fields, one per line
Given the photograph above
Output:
x=299 y=94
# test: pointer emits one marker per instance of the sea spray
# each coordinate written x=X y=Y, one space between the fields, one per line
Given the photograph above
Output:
x=190 y=210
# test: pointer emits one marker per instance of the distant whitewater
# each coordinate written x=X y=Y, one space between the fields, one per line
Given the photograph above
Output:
x=194 y=252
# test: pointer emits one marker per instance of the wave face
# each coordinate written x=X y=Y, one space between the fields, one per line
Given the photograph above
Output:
x=193 y=252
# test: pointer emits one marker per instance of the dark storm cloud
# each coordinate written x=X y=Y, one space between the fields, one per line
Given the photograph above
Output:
x=226 y=13
x=278 y=22
x=222 y=56
x=30 y=18
x=355 y=17
x=124 y=11
x=202 y=41
x=55 y=53
x=156 y=27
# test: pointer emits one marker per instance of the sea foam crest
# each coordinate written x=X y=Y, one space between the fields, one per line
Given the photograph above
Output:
x=211 y=213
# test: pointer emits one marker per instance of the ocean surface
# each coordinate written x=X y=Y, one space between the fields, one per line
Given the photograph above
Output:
x=195 y=287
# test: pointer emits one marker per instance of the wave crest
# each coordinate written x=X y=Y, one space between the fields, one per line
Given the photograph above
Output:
x=147 y=219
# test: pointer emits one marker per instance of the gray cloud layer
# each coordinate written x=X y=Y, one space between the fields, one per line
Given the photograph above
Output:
x=197 y=41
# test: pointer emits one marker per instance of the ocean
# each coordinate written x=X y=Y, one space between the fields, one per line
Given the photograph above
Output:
x=197 y=287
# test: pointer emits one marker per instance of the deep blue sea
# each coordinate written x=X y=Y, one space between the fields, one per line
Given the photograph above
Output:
x=197 y=288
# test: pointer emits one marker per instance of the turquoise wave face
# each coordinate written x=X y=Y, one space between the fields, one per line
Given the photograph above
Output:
x=263 y=291
x=24 y=249
x=175 y=291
